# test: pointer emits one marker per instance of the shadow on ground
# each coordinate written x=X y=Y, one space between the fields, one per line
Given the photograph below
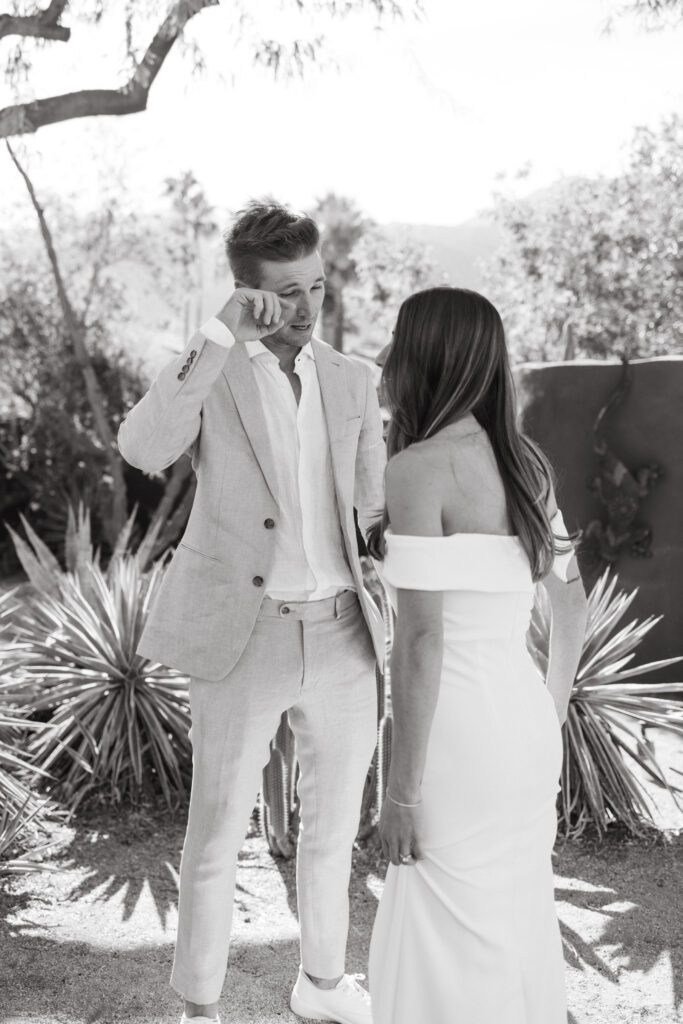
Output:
x=619 y=904
x=636 y=889
x=46 y=981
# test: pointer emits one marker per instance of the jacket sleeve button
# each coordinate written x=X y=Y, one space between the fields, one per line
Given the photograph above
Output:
x=182 y=375
x=193 y=353
x=257 y=581
x=269 y=523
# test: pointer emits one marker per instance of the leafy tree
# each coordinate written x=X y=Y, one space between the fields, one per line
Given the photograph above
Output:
x=388 y=268
x=594 y=267
x=145 y=32
x=193 y=222
x=654 y=12
x=54 y=451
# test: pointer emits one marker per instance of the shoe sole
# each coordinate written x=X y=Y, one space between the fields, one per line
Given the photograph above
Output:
x=300 y=1008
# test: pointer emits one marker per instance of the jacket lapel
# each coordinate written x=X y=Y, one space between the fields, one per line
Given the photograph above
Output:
x=242 y=383
x=332 y=380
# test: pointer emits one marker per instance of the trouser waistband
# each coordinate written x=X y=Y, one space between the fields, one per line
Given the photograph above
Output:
x=309 y=611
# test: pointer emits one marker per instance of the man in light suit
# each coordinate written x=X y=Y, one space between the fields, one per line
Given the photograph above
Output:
x=263 y=604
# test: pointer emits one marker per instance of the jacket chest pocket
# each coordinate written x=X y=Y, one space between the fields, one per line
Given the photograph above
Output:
x=352 y=426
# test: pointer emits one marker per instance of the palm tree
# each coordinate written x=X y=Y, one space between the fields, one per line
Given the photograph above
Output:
x=342 y=224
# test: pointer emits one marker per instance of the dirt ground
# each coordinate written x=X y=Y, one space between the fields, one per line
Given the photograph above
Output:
x=93 y=942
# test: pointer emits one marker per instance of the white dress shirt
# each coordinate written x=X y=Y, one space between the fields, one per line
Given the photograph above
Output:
x=309 y=563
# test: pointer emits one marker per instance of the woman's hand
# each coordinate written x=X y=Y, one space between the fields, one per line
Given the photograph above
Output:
x=400 y=830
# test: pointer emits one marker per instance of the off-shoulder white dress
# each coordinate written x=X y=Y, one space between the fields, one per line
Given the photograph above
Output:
x=469 y=935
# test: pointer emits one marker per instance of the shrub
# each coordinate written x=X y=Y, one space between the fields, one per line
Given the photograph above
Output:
x=603 y=735
x=118 y=724
x=16 y=834
x=22 y=814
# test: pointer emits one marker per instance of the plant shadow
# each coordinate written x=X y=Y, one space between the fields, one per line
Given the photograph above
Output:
x=636 y=889
x=109 y=854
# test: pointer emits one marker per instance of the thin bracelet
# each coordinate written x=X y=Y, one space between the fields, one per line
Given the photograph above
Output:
x=399 y=804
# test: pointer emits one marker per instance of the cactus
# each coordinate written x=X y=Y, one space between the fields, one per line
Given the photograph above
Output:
x=383 y=752
x=279 y=803
x=383 y=757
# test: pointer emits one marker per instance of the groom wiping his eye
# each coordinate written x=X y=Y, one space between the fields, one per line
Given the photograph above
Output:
x=263 y=604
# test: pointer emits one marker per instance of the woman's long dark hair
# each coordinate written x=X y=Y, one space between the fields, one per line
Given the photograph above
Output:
x=448 y=358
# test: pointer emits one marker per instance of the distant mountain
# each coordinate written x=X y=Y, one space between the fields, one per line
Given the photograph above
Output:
x=459 y=249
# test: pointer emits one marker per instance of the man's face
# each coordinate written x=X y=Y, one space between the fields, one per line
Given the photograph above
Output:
x=302 y=283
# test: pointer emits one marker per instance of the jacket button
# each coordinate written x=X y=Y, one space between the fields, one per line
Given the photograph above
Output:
x=257 y=581
x=186 y=367
x=269 y=524
x=193 y=353
x=182 y=375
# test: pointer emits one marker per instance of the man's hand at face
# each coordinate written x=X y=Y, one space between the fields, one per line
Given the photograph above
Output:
x=250 y=314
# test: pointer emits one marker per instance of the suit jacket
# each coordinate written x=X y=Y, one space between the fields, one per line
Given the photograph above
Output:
x=206 y=403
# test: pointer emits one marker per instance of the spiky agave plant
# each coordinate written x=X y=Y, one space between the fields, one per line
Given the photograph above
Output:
x=22 y=814
x=118 y=725
x=15 y=823
x=17 y=767
x=603 y=738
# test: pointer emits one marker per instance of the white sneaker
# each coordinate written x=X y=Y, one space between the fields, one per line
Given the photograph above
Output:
x=200 y=1020
x=348 y=1003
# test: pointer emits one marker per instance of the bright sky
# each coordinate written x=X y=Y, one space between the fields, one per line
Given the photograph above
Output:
x=416 y=125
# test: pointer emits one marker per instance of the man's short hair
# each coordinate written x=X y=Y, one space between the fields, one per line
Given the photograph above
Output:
x=267 y=230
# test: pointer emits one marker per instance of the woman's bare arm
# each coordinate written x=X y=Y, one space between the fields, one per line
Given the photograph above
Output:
x=414 y=507
x=569 y=608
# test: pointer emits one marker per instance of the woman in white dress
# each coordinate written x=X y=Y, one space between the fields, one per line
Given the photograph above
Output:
x=466 y=930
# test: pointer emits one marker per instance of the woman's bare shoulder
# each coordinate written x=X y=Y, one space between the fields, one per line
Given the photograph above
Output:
x=413 y=494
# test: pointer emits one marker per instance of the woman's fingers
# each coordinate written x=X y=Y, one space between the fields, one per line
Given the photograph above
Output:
x=399 y=836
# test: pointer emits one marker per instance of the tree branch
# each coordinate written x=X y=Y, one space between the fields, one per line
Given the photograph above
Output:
x=75 y=333
x=22 y=118
x=43 y=25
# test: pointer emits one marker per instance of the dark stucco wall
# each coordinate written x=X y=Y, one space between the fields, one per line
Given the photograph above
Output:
x=559 y=403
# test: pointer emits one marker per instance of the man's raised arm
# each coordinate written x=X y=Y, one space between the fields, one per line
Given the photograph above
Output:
x=167 y=420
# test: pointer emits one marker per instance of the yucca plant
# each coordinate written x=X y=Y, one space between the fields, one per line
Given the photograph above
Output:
x=118 y=724
x=15 y=824
x=22 y=814
x=603 y=735
x=17 y=766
